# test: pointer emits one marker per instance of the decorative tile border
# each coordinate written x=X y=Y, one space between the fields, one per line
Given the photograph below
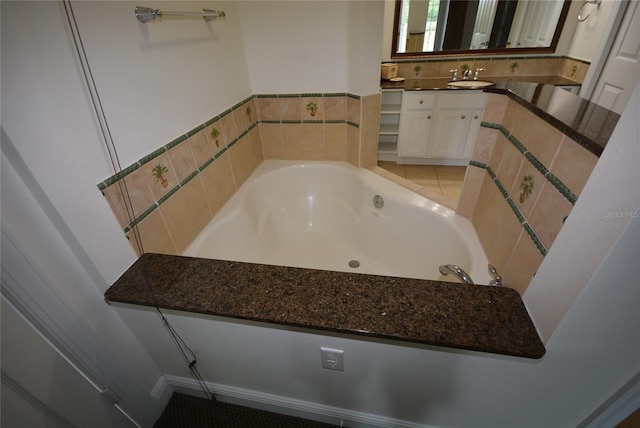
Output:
x=516 y=211
x=102 y=186
x=559 y=185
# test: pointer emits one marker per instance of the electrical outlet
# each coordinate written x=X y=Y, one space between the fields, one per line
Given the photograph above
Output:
x=332 y=359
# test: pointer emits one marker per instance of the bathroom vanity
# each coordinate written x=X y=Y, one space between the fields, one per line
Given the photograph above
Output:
x=425 y=121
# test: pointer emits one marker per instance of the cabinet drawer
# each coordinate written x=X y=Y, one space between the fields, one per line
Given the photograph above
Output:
x=462 y=100
x=421 y=100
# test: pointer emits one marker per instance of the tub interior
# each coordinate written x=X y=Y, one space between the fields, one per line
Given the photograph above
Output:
x=321 y=215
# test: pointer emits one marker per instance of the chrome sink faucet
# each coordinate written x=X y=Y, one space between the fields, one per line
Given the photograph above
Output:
x=466 y=74
x=456 y=271
x=478 y=70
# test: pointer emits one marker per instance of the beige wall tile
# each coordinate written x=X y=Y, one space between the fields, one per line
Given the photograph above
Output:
x=154 y=235
x=186 y=213
x=369 y=147
x=218 y=183
x=118 y=204
x=353 y=110
x=335 y=141
x=523 y=265
x=499 y=231
x=495 y=108
x=534 y=180
x=540 y=138
x=290 y=108
x=335 y=108
x=573 y=165
x=473 y=180
x=303 y=141
x=548 y=214
x=257 y=154
x=509 y=166
x=269 y=108
x=307 y=108
x=157 y=189
x=511 y=115
x=200 y=148
x=353 y=145
x=241 y=158
x=483 y=147
x=486 y=190
x=272 y=140
x=182 y=161
x=216 y=143
x=497 y=153
x=240 y=119
x=371 y=111
x=251 y=108
x=228 y=128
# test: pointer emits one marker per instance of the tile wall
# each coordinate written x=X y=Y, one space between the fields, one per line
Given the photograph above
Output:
x=175 y=191
x=567 y=67
x=523 y=179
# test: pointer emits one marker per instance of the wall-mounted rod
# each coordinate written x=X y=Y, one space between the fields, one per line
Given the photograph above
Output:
x=147 y=14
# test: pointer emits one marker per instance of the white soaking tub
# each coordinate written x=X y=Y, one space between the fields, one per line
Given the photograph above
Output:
x=322 y=215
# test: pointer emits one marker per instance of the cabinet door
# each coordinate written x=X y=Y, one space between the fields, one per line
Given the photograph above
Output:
x=450 y=134
x=474 y=128
x=414 y=133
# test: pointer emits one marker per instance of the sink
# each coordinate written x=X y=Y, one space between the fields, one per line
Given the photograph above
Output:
x=469 y=84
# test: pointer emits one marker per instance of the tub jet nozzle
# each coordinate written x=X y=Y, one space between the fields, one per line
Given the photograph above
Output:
x=378 y=202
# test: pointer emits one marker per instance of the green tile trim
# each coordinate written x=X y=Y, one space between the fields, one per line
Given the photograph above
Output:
x=477 y=164
x=514 y=208
x=538 y=243
x=312 y=95
x=173 y=143
x=189 y=178
x=559 y=185
x=564 y=190
x=220 y=153
x=491 y=125
x=141 y=217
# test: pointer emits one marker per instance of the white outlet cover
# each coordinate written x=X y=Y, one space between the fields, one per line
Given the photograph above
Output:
x=332 y=359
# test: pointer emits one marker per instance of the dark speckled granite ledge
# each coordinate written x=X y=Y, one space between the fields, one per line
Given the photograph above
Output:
x=478 y=318
x=589 y=124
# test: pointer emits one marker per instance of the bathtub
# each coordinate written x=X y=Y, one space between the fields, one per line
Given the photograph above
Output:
x=321 y=215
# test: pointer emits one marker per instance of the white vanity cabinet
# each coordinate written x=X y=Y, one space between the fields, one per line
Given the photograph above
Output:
x=439 y=127
x=415 y=124
x=458 y=121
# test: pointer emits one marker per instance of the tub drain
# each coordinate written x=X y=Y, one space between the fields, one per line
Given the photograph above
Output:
x=354 y=263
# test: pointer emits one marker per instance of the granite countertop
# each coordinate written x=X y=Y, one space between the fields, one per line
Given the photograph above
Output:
x=589 y=124
x=478 y=318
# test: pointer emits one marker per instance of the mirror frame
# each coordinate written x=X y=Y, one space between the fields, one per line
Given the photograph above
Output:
x=477 y=52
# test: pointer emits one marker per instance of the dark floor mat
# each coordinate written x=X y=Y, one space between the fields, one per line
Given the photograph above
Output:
x=185 y=411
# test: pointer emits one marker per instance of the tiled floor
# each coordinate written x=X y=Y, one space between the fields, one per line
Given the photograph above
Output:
x=443 y=180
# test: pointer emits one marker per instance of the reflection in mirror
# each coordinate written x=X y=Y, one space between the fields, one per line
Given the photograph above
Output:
x=429 y=27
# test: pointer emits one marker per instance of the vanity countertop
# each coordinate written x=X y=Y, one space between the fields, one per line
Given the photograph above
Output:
x=477 y=318
x=585 y=122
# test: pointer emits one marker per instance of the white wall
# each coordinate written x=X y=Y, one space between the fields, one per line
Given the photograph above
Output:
x=48 y=120
x=309 y=46
x=589 y=33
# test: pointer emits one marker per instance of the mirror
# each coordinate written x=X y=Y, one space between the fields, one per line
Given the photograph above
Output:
x=479 y=27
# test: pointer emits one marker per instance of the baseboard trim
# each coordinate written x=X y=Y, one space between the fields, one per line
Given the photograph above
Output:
x=168 y=384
